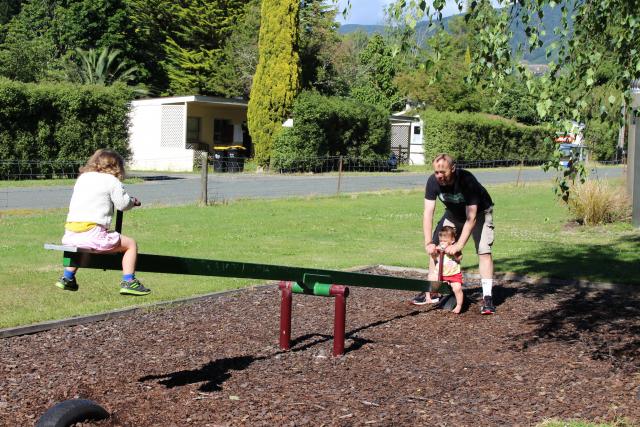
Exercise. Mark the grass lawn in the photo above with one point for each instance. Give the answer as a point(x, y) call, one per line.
point(52, 182)
point(333, 233)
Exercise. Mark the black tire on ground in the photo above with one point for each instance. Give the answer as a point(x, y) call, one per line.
point(72, 411)
point(448, 302)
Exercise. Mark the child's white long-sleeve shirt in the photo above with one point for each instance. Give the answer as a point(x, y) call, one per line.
point(95, 195)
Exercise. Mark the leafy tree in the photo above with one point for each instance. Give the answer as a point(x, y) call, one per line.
point(318, 41)
point(241, 49)
point(515, 102)
point(28, 48)
point(277, 79)
point(45, 33)
point(344, 68)
point(8, 8)
point(440, 81)
point(154, 22)
point(603, 27)
point(103, 68)
point(375, 85)
point(318, 46)
point(195, 57)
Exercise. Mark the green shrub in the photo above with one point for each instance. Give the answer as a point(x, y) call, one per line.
point(60, 123)
point(331, 126)
point(602, 139)
point(475, 136)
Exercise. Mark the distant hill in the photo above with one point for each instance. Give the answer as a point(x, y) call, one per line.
point(551, 20)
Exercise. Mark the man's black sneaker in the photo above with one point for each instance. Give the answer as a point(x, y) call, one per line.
point(67, 284)
point(133, 287)
point(421, 299)
point(487, 306)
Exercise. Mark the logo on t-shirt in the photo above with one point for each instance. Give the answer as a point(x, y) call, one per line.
point(452, 198)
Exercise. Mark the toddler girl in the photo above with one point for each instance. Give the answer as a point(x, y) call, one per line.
point(97, 192)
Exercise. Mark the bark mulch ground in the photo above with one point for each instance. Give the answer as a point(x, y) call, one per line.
point(550, 352)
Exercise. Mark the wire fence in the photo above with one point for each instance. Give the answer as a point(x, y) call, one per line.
point(18, 170)
point(23, 185)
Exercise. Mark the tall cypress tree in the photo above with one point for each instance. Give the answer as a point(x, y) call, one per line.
point(277, 78)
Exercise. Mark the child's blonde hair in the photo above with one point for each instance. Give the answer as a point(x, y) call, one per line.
point(447, 231)
point(106, 161)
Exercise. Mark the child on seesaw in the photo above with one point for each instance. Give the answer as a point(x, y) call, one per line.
point(97, 193)
point(451, 271)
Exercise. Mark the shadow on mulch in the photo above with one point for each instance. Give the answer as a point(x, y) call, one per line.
point(213, 374)
point(608, 321)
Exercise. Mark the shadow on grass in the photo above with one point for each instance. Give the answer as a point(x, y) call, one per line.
point(596, 263)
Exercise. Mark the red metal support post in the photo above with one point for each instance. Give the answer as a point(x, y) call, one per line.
point(340, 293)
point(285, 315)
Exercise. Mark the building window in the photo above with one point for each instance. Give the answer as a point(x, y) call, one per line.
point(416, 130)
point(222, 132)
point(193, 129)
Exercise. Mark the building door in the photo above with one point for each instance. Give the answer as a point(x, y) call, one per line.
point(222, 132)
point(400, 137)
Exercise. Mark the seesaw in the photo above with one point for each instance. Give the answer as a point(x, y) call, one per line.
point(299, 280)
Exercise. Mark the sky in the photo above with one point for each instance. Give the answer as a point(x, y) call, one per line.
point(370, 12)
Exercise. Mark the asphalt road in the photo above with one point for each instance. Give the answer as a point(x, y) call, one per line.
point(185, 189)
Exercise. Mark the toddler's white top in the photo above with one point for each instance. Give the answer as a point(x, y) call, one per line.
point(94, 197)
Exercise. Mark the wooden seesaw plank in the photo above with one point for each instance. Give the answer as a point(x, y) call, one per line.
point(76, 257)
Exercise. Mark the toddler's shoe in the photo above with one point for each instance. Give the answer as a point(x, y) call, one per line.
point(421, 299)
point(133, 287)
point(67, 284)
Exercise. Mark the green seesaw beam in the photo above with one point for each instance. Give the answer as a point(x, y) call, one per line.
point(306, 277)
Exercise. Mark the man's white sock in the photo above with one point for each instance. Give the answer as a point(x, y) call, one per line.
point(487, 284)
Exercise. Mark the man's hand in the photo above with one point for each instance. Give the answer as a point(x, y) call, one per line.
point(452, 249)
point(136, 202)
point(430, 247)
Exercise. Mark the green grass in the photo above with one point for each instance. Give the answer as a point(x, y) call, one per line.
point(51, 182)
point(331, 232)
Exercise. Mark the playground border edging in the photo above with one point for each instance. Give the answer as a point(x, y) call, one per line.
point(81, 320)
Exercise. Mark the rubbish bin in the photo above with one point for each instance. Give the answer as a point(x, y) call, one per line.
point(220, 158)
point(236, 155)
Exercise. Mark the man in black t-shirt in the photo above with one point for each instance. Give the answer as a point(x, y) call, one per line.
point(469, 209)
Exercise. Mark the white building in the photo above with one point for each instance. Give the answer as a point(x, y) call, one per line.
point(165, 132)
point(406, 137)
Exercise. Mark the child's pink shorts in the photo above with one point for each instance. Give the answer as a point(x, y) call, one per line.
point(97, 239)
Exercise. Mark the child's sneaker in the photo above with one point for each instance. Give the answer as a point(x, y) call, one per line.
point(421, 299)
point(133, 287)
point(67, 284)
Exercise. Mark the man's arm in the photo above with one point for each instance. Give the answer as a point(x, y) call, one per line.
point(471, 211)
point(427, 225)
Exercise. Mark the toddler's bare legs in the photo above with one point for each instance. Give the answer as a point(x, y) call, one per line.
point(457, 291)
point(130, 249)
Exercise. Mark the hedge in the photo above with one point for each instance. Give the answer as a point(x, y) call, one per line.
point(331, 126)
point(60, 123)
point(602, 139)
point(469, 137)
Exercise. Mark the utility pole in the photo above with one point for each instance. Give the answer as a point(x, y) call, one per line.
point(633, 153)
